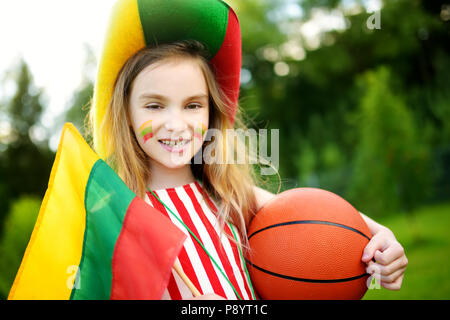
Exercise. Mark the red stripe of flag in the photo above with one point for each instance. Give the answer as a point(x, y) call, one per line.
point(145, 252)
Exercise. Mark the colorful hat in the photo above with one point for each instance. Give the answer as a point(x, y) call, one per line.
point(135, 24)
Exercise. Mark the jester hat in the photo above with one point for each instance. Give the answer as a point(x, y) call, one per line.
point(135, 24)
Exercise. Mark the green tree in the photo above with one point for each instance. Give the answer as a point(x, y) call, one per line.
point(80, 102)
point(314, 99)
point(392, 158)
point(24, 164)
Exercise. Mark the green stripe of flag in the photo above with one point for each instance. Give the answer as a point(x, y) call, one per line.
point(106, 200)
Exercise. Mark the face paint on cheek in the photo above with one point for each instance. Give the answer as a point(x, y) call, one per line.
point(145, 130)
point(200, 131)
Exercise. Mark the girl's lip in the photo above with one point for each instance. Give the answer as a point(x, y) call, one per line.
point(174, 149)
point(179, 139)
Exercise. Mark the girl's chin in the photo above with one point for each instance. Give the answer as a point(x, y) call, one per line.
point(175, 162)
point(173, 165)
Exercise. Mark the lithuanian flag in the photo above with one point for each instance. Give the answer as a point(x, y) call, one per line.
point(94, 238)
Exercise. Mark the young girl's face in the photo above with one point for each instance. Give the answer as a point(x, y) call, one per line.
point(169, 111)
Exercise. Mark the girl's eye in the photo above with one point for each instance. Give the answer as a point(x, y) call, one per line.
point(194, 106)
point(153, 106)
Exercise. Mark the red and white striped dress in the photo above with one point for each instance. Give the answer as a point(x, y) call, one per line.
point(190, 206)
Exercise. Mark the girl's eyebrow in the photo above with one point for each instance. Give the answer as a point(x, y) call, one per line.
point(198, 96)
point(145, 96)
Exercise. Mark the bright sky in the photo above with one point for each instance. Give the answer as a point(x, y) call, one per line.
point(50, 36)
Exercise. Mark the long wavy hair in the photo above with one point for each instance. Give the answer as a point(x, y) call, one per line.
point(230, 184)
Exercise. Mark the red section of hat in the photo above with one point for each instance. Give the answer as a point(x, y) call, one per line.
point(227, 62)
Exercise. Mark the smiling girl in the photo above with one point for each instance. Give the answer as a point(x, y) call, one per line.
point(164, 99)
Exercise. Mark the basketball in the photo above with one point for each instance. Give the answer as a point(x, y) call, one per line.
point(307, 243)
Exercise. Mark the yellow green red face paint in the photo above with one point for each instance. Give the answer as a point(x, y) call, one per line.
point(145, 130)
point(200, 131)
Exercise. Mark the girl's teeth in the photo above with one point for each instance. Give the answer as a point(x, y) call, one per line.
point(174, 143)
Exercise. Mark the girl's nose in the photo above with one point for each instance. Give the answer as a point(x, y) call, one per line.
point(175, 122)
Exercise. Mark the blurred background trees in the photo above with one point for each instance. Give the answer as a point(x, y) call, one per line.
point(362, 112)
point(25, 158)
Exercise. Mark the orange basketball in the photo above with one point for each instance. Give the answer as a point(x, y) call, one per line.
point(307, 243)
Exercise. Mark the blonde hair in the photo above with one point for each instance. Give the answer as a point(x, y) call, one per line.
point(230, 184)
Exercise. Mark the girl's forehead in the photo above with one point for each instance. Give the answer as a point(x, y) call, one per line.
point(179, 77)
point(168, 65)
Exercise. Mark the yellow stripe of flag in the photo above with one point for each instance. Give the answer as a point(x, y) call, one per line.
point(59, 230)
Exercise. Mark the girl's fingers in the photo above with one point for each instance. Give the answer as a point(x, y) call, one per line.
point(376, 243)
point(396, 285)
point(400, 263)
point(390, 259)
point(375, 267)
point(392, 253)
point(393, 276)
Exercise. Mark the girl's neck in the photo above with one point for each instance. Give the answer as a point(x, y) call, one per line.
point(162, 177)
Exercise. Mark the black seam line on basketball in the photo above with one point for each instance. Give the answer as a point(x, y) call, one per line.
point(310, 222)
point(306, 280)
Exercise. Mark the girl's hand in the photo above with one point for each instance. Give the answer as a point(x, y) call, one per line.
point(390, 259)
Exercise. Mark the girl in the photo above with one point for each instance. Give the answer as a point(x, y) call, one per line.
point(164, 99)
point(172, 89)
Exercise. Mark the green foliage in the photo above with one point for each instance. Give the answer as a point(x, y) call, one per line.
point(439, 98)
point(314, 104)
point(392, 160)
point(25, 107)
point(17, 231)
point(24, 163)
point(79, 109)
point(306, 163)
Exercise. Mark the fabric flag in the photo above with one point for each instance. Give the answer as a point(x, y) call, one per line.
point(94, 238)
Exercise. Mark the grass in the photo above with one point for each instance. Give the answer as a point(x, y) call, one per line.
point(426, 239)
